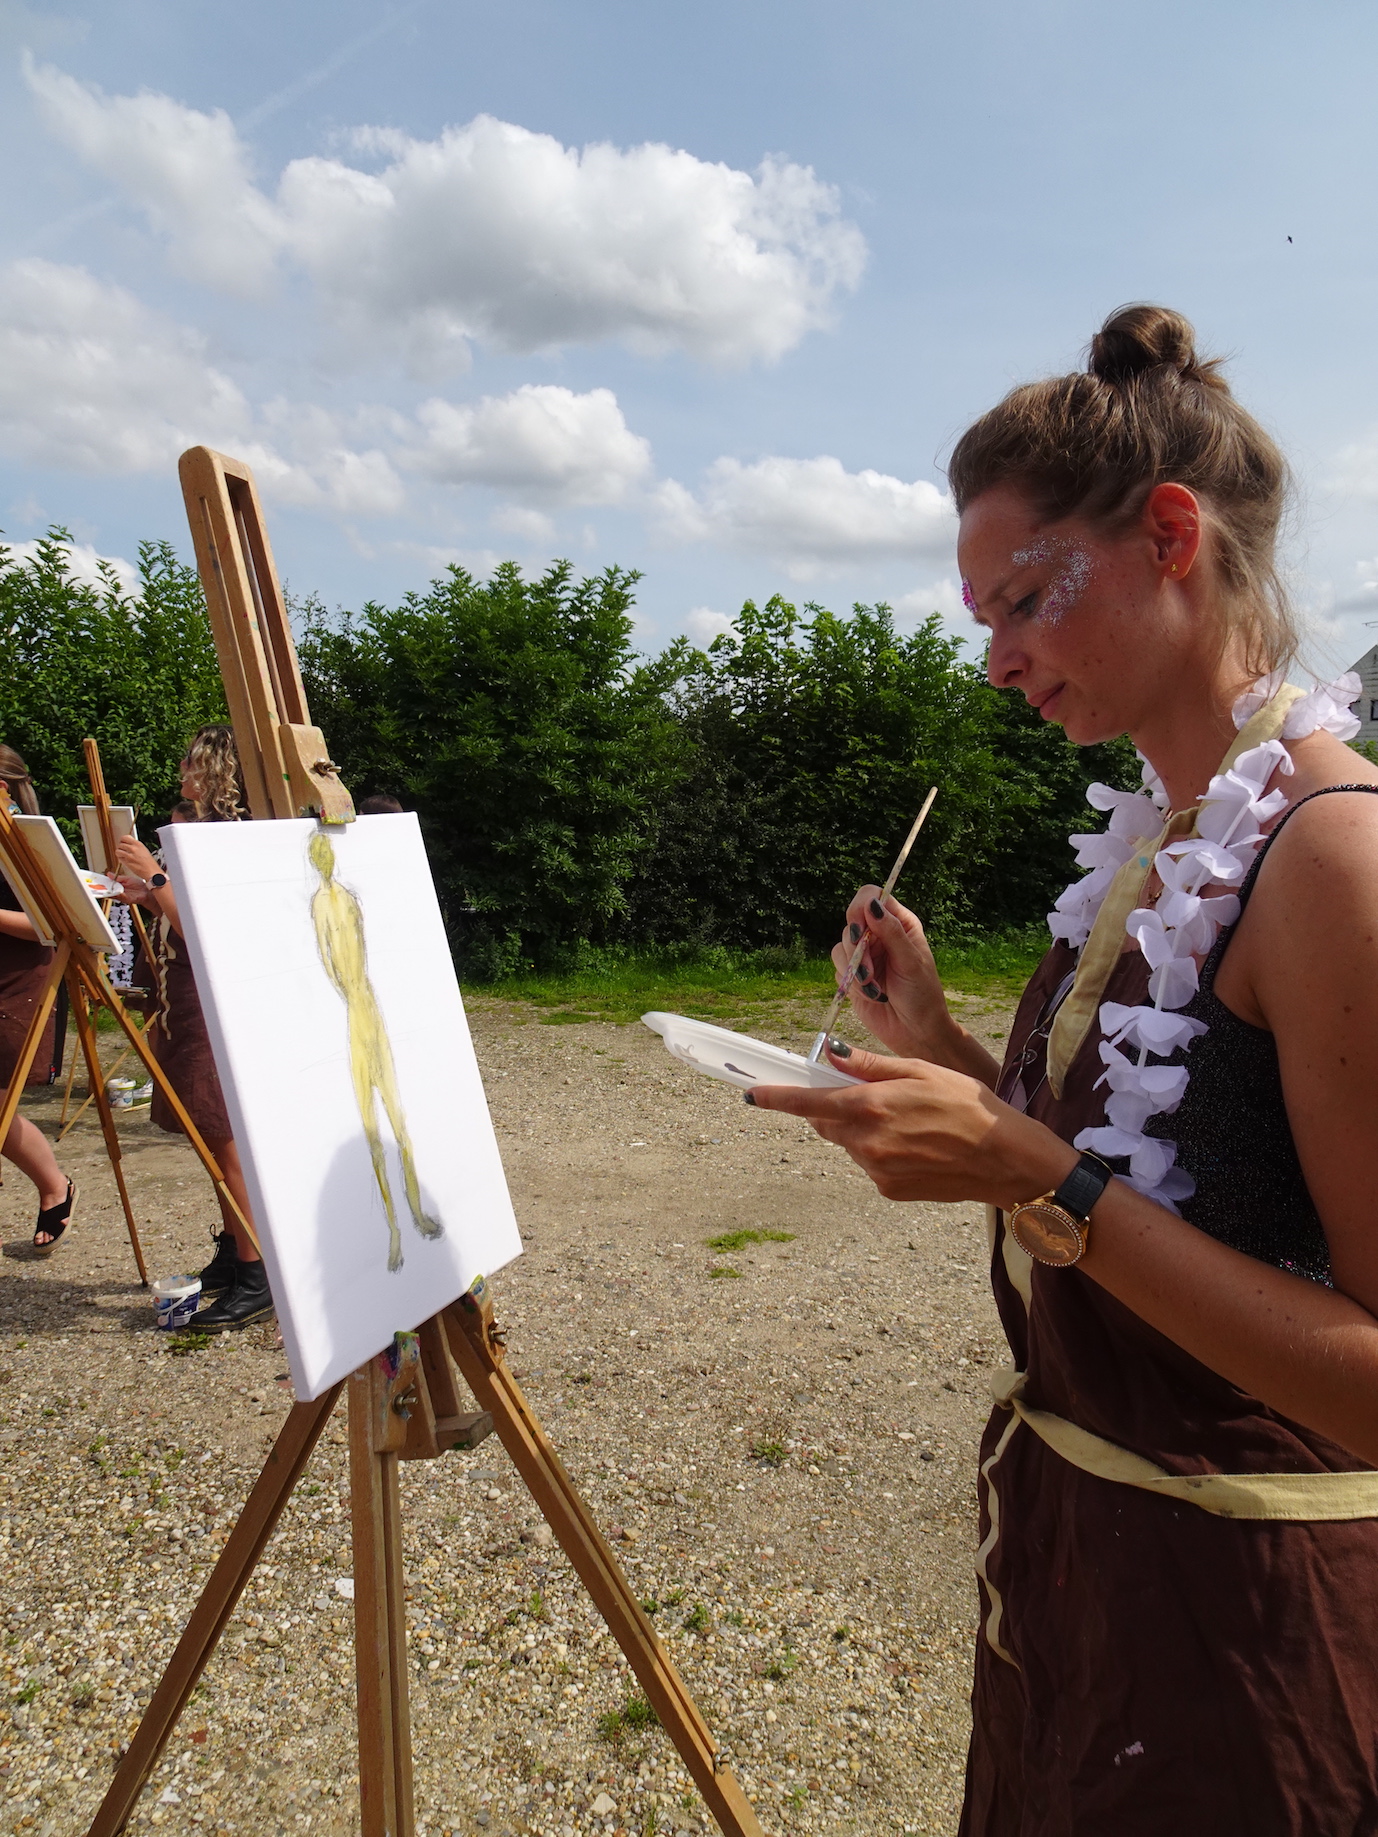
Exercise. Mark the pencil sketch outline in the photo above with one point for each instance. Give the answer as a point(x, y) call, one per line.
point(338, 919)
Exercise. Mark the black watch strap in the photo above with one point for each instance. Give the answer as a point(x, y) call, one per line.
point(1083, 1186)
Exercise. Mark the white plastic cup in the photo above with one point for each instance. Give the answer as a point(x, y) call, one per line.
point(175, 1301)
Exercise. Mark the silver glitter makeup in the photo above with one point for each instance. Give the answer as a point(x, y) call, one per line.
point(1071, 579)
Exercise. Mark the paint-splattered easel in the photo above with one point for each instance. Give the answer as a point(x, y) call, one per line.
point(406, 1403)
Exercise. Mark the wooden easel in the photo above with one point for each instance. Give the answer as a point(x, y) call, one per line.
point(406, 1403)
point(88, 988)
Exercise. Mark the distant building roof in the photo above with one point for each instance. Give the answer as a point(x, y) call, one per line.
point(1366, 706)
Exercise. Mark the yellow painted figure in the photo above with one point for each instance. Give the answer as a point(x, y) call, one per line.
point(339, 924)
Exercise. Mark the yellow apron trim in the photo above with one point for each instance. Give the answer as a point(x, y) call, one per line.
point(1106, 943)
point(1298, 1498)
point(992, 1538)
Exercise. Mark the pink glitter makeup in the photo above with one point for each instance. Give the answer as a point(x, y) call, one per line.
point(1071, 579)
point(968, 597)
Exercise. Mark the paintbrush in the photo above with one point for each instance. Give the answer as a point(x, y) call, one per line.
point(815, 1051)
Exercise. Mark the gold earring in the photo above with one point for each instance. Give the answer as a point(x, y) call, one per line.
point(1174, 567)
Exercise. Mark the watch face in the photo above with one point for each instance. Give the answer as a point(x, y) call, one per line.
point(1049, 1234)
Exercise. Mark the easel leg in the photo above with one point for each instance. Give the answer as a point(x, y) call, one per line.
point(227, 1582)
point(477, 1349)
point(380, 1622)
point(86, 1033)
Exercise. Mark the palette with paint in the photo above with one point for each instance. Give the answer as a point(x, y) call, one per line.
point(737, 1059)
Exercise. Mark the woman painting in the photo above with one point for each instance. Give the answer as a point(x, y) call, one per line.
point(1178, 1555)
point(235, 1278)
point(24, 967)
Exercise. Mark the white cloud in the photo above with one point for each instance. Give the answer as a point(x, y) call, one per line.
point(542, 441)
point(527, 525)
point(487, 232)
point(811, 516)
point(703, 625)
point(92, 380)
point(84, 564)
point(942, 596)
point(189, 171)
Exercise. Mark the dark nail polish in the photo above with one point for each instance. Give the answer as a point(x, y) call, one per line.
point(864, 973)
point(749, 1097)
point(882, 998)
point(839, 1049)
point(877, 910)
point(870, 990)
point(855, 931)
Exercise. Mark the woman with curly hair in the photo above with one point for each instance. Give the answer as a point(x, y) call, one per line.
point(213, 787)
point(24, 966)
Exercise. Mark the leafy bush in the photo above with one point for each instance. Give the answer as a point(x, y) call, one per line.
point(809, 743)
point(138, 673)
point(515, 718)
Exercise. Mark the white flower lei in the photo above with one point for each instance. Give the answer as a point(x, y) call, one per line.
point(1181, 928)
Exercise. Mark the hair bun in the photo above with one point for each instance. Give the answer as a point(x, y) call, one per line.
point(1139, 338)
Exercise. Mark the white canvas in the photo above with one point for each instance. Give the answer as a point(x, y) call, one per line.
point(260, 924)
point(83, 911)
point(121, 825)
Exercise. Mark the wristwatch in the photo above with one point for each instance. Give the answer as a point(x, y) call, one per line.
point(157, 880)
point(1054, 1229)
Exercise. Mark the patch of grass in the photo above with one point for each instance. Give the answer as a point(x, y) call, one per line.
point(736, 1618)
point(650, 1605)
point(737, 1240)
point(536, 1607)
point(769, 1454)
point(723, 1269)
point(698, 1619)
point(728, 987)
point(675, 1596)
point(632, 1717)
point(29, 1692)
point(780, 1668)
point(180, 1344)
point(83, 1696)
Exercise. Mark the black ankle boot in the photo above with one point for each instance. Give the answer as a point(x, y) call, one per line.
point(249, 1300)
point(217, 1278)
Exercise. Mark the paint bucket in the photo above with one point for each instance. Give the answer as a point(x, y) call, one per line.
point(175, 1301)
point(120, 1092)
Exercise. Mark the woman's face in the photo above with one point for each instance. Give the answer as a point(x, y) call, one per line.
point(191, 784)
point(1085, 624)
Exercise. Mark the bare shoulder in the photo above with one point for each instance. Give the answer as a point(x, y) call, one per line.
point(1311, 928)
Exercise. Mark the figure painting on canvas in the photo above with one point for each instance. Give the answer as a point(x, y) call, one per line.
point(340, 1038)
point(339, 922)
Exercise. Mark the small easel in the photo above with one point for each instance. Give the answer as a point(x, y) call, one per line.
point(82, 967)
point(405, 1404)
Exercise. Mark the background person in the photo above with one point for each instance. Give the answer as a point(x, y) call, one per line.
point(24, 966)
point(212, 790)
point(1162, 1647)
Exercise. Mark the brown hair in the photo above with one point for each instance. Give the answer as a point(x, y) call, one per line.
point(213, 762)
point(1148, 411)
point(15, 774)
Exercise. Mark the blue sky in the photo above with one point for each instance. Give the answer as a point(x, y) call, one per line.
point(703, 290)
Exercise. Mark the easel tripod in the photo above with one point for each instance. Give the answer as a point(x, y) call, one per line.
point(405, 1404)
point(88, 988)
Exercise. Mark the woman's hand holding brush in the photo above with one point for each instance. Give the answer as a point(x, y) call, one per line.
point(897, 994)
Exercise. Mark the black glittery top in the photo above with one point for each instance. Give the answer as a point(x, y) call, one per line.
point(1231, 1127)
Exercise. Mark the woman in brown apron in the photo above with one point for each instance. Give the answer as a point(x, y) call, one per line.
point(24, 966)
point(234, 1279)
point(1178, 1558)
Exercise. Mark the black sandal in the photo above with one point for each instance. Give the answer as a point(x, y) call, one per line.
point(53, 1221)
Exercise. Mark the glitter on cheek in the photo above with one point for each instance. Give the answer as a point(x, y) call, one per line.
point(1068, 586)
point(968, 597)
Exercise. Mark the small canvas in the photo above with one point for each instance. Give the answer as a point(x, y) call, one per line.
point(121, 824)
point(71, 883)
point(350, 1079)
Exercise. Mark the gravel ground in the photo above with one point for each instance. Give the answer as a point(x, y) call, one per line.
point(780, 1439)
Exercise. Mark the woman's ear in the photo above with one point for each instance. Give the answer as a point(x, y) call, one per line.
point(1171, 520)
